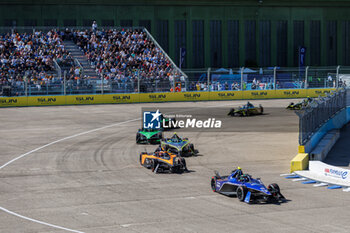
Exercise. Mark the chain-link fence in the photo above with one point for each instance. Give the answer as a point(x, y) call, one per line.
point(268, 78)
point(315, 112)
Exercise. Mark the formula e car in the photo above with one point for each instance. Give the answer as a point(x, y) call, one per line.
point(246, 110)
point(178, 146)
point(161, 161)
point(151, 136)
point(293, 106)
point(245, 188)
point(299, 105)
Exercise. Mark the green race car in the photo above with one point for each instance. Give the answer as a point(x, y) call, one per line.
point(149, 136)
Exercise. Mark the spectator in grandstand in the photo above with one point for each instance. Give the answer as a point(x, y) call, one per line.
point(126, 53)
point(94, 26)
point(29, 57)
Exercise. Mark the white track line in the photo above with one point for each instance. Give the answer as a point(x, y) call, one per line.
point(49, 144)
point(37, 221)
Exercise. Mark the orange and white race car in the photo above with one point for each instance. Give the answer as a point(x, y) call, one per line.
point(161, 161)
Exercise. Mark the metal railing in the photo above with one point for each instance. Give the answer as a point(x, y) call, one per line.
point(77, 63)
point(57, 68)
point(318, 111)
point(183, 78)
point(269, 78)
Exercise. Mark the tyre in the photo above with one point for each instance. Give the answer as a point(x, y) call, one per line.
point(154, 164)
point(213, 183)
point(274, 189)
point(137, 139)
point(231, 112)
point(141, 159)
point(192, 148)
point(182, 161)
point(241, 193)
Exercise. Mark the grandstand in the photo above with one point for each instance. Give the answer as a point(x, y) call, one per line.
point(124, 60)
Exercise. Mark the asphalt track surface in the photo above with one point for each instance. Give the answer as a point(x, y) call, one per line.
point(90, 179)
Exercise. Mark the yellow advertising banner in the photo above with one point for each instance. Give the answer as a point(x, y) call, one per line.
point(191, 96)
point(263, 94)
point(46, 100)
point(319, 92)
point(290, 93)
point(155, 97)
point(84, 99)
point(13, 101)
point(225, 95)
point(120, 98)
point(160, 97)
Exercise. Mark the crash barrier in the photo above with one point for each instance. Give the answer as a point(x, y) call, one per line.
point(325, 145)
point(326, 173)
point(158, 97)
point(317, 112)
point(299, 162)
point(335, 123)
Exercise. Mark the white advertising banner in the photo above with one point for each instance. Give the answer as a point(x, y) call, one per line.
point(330, 172)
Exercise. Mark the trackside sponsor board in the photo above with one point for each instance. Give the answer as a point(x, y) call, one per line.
point(319, 92)
point(290, 93)
point(329, 171)
point(192, 96)
point(225, 95)
point(262, 94)
point(120, 98)
point(160, 97)
point(154, 97)
point(83, 99)
point(46, 100)
point(13, 101)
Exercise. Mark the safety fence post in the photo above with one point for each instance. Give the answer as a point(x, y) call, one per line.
point(138, 82)
point(337, 77)
point(306, 73)
point(274, 77)
point(242, 71)
point(208, 77)
point(64, 82)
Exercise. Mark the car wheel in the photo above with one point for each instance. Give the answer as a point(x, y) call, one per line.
point(274, 189)
point(213, 183)
point(153, 165)
point(137, 139)
point(192, 148)
point(141, 159)
point(231, 112)
point(241, 193)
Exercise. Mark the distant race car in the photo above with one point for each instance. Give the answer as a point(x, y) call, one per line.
point(299, 105)
point(178, 146)
point(247, 110)
point(293, 106)
point(245, 187)
point(151, 136)
point(162, 161)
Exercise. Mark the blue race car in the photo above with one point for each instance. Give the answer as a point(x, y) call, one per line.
point(245, 187)
point(179, 146)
